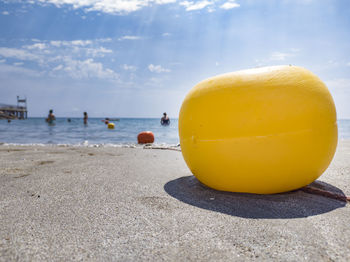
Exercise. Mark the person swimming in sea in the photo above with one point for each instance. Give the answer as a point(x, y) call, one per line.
point(51, 118)
point(165, 121)
point(85, 118)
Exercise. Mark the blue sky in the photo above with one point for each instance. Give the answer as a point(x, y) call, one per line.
point(139, 58)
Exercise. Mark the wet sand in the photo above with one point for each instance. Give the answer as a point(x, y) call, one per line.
point(134, 204)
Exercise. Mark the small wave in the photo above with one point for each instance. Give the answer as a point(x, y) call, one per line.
point(87, 144)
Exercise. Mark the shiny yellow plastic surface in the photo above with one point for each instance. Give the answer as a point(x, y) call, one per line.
point(110, 126)
point(265, 130)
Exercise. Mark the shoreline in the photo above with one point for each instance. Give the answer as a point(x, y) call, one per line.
point(115, 203)
point(122, 145)
point(87, 145)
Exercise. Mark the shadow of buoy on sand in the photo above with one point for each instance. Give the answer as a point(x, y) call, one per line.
point(295, 204)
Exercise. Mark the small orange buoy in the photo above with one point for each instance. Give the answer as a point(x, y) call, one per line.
point(145, 137)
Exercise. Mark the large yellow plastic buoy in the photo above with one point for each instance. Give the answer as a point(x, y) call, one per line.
point(264, 130)
point(110, 126)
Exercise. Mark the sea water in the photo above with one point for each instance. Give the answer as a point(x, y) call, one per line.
point(96, 132)
point(37, 131)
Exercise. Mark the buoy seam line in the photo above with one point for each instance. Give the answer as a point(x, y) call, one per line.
point(321, 192)
point(249, 137)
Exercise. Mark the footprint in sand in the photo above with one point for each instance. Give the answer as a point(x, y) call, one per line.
point(45, 162)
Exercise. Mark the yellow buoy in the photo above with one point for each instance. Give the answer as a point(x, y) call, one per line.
point(110, 126)
point(264, 130)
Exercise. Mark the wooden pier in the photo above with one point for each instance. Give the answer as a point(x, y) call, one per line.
point(14, 112)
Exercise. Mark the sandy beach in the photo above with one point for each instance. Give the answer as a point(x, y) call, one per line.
point(63, 203)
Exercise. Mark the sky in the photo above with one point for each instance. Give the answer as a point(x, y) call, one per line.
point(139, 58)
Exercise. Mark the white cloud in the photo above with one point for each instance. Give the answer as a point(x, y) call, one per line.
point(339, 84)
point(57, 68)
point(157, 69)
point(18, 54)
point(124, 7)
point(333, 63)
point(154, 81)
point(166, 34)
point(56, 43)
point(81, 46)
point(129, 67)
point(18, 63)
point(2, 61)
point(348, 64)
point(10, 69)
point(161, 2)
point(211, 9)
point(191, 5)
point(81, 42)
point(83, 69)
point(95, 52)
point(74, 59)
point(229, 5)
point(5, 13)
point(39, 46)
point(105, 6)
point(71, 43)
point(129, 37)
point(279, 56)
point(117, 6)
point(104, 40)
